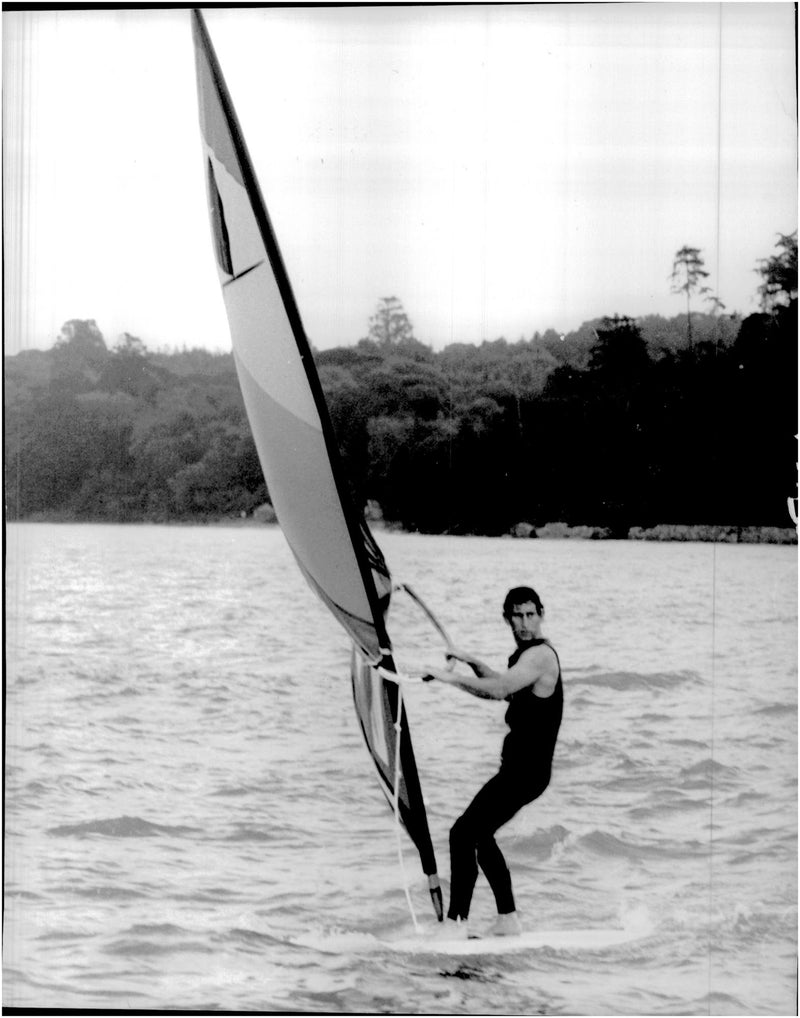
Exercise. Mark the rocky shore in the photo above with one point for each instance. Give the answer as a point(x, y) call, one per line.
point(664, 532)
point(265, 515)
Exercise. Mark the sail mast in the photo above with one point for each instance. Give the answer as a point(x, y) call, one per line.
point(296, 444)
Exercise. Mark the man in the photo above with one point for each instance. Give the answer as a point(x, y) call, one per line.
point(532, 686)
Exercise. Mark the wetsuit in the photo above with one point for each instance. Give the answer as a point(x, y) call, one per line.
point(524, 774)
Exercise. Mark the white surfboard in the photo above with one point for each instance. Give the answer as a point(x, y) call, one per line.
point(426, 941)
point(566, 940)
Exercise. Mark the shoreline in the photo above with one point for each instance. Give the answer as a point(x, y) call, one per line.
point(663, 533)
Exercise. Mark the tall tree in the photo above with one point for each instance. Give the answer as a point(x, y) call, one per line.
point(687, 276)
point(780, 274)
point(130, 346)
point(81, 337)
point(390, 325)
point(79, 355)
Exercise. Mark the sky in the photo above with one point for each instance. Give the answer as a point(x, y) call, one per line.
point(499, 169)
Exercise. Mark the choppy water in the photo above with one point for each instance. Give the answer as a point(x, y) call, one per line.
point(187, 792)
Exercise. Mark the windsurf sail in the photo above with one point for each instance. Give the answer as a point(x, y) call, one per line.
point(296, 443)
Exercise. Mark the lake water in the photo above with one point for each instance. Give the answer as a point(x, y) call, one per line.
point(188, 795)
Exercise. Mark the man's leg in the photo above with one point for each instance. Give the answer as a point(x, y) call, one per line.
point(510, 798)
point(492, 861)
point(473, 833)
point(463, 870)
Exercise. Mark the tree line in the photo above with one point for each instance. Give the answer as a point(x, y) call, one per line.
point(622, 423)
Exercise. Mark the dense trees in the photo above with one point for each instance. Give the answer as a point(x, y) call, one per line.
point(619, 424)
point(123, 434)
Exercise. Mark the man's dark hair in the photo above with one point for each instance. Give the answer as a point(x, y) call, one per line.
point(521, 595)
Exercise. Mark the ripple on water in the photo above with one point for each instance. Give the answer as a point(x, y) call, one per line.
point(635, 681)
point(121, 827)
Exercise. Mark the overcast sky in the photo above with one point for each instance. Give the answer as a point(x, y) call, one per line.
point(499, 169)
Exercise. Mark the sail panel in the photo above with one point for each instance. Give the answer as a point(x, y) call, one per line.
point(214, 122)
point(373, 709)
point(282, 394)
point(376, 702)
point(308, 509)
point(263, 337)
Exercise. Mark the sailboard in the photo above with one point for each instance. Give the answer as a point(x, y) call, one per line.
point(297, 447)
point(535, 940)
point(425, 941)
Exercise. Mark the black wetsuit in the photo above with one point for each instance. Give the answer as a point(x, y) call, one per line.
point(524, 774)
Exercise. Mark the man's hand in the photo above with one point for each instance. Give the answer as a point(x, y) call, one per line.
point(478, 667)
point(429, 674)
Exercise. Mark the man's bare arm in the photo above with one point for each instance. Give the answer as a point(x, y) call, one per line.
point(536, 667)
point(462, 682)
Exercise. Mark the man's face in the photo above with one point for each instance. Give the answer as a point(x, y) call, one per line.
point(525, 622)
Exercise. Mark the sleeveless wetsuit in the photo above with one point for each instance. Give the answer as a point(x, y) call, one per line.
point(533, 722)
point(524, 774)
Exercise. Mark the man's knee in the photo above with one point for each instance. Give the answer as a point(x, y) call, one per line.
point(489, 854)
point(462, 833)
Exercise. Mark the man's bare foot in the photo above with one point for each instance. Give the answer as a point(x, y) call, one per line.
point(505, 925)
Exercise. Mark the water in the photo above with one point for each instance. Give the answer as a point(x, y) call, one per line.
point(187, 793)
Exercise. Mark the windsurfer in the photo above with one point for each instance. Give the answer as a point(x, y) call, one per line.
point(532, 686)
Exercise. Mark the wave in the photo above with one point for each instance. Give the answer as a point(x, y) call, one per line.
point(106, 693)
point(752, 922)
point(33, 789)
point(64, 935)
point(605, 844)
point(743, 798)
point(105, 892)
point(688, 743)
point(675, 804)
point(24, 680)
point(558, 840)
point(701, 774)
point(717, 1003)
point(162, 929)
point(120, 827)
point(778, 709)
point(144, 948)
point(233, 791)
point(245, 832)
point(21, 894)
point(257, 938)
point(625, 681)
point(541, 843)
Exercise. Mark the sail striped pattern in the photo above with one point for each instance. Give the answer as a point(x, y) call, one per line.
point(295, 441)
